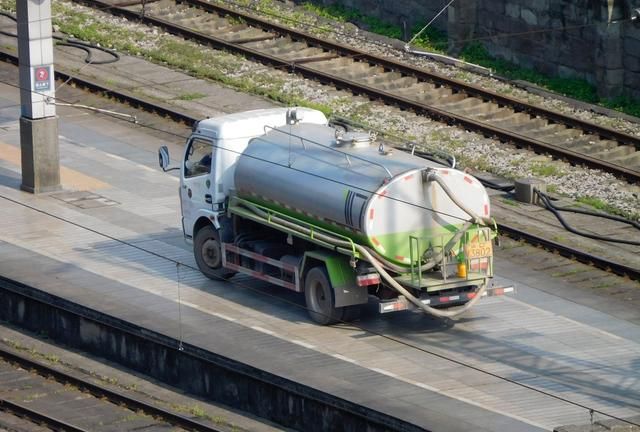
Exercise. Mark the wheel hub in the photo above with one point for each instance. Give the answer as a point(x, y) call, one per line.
point(211, 253)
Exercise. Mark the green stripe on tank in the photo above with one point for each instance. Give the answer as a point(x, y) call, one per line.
point(397, 245)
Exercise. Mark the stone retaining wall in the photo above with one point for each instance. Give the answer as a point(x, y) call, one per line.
point(589, 43)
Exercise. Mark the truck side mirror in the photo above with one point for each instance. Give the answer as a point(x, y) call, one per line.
point(163, 158)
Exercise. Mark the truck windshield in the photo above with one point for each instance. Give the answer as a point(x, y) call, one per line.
point(198, 159)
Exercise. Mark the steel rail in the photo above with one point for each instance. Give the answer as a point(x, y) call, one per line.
point(38, 417)
point(571, 253)
point(387, 97)
point(103, 392)
point(601, 263)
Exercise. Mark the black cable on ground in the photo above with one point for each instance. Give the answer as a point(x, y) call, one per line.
point(547, 201)
point(86, 47)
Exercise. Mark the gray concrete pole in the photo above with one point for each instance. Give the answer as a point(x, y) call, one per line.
point(38, 122)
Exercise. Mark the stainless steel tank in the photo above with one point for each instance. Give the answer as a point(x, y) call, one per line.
point(373, 195)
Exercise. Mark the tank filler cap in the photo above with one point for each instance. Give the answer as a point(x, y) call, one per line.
point(352, 139)
point(293, 116)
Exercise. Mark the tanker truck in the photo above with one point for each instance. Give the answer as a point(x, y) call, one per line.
point(340, 216)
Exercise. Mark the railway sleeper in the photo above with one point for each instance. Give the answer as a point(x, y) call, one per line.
point(464, 105)
point(536, 129)
point(303, 54)
point(354, 75)
point(183, 13)
point(247, 34)
point(352, 68)
point(511, 121)
point(611, 153)
point(631, 161)
point(340, 62)
point(449, 100)
point(285, 49)
point(267, 44)
point(592, 141)
point(493, 116)
point(398, 85)
point(382, 78)
point(487, 109)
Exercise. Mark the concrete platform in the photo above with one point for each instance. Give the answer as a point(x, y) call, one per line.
point(108, 249)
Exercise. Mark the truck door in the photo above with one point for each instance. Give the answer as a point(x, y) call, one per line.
point(195, 184)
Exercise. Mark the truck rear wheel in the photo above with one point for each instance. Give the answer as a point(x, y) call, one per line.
point(318, 294)
point(208, 254)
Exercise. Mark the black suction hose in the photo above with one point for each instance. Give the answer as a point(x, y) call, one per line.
point(546, 200)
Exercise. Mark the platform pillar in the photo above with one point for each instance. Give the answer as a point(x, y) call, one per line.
point(38, 122)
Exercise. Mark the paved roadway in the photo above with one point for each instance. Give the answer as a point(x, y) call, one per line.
point(535, 338)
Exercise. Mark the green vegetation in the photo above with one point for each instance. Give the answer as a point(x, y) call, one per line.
point(596, 203)
point(431, 39)
point(572, 87)
point(579, 89)
point(510, 201)
point(624, 104)
point(567, 273)
point(190, 96)
point(546, 170)
point(199, 412)
point(8, 6)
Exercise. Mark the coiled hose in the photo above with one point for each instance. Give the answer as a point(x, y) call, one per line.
point(546, 200)
point(380, 263)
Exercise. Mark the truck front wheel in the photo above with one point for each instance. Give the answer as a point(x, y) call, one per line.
point(318, 294)
point(208, 254)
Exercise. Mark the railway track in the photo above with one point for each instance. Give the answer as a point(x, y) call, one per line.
point(179, 116)
point(394, 83)
point(51, 403)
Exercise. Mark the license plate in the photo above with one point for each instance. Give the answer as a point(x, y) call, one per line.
point(478, 249)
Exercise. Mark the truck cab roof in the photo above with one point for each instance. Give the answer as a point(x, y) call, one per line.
point(248, 124)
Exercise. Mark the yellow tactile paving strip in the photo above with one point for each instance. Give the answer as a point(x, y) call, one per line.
point(70, 179)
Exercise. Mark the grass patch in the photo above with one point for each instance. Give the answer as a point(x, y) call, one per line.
point(190, 96)
point(8, 6)
point(510, 201)
point(567, 273)
point(545, 170)
point(596, 203)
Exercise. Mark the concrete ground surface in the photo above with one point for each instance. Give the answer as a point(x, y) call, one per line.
point(581, 345)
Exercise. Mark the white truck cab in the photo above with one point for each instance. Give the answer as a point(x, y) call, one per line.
point(207, 171)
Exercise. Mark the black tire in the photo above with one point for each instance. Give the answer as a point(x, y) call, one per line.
point(208, 254)
point(351, 313)
point(318, 294)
